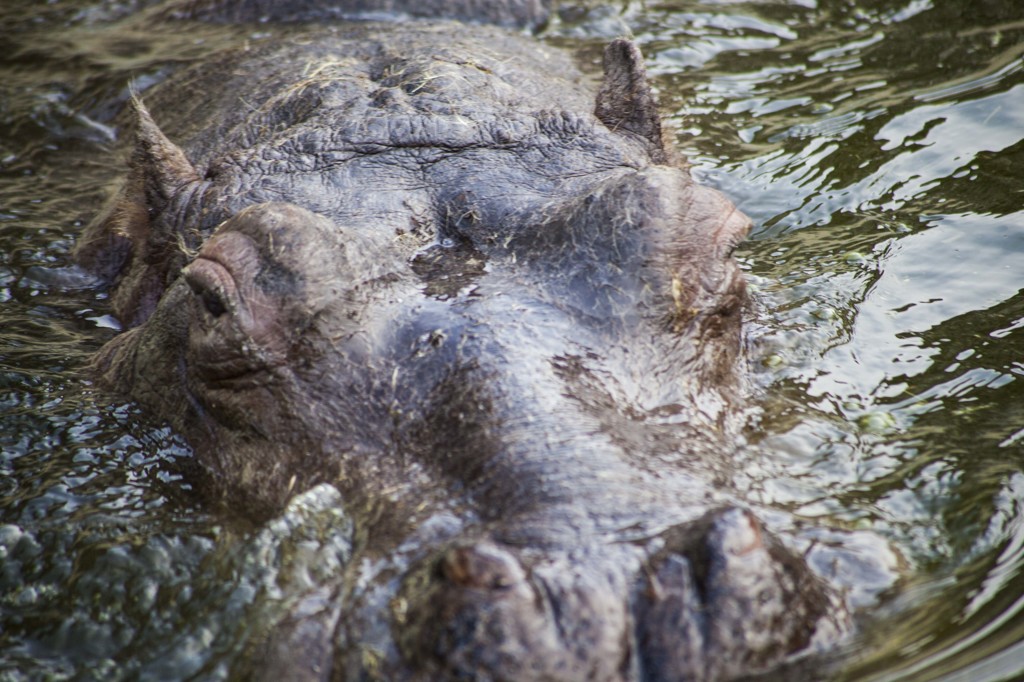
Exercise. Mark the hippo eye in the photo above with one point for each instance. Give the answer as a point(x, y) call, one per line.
point(732, 243)
point(211, 299)
point(213, 303)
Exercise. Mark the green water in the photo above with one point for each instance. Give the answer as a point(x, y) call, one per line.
point(879, 148)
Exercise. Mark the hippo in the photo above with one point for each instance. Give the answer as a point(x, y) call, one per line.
point(432, 266)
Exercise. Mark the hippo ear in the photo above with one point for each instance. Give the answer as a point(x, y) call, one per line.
point(625, 102)
point(127, 243)
point(157, 171)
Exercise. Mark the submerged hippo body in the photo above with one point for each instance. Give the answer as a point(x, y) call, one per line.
point(426, 264)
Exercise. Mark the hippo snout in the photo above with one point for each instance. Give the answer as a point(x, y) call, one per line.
point(723, 597)
point(482, 612)
point(717, 598)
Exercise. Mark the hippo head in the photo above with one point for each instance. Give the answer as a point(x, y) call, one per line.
point(283, 340)
point(288, 340)
point(524, 314)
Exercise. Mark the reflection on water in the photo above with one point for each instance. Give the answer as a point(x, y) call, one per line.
point(879, 147)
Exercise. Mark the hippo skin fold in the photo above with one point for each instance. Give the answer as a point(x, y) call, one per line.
point(428, 263)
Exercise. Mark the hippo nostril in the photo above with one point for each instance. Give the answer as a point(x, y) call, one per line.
point(481, 567)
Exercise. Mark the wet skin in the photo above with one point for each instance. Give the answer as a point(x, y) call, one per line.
point(429, 266)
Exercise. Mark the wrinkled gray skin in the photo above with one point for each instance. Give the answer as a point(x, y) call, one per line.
point(427, 264)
